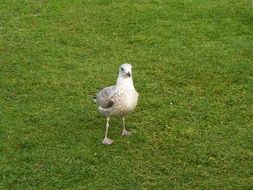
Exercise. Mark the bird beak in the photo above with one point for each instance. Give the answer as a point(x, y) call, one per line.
point(129, 74)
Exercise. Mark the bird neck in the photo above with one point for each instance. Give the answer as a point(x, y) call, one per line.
point(124, 82)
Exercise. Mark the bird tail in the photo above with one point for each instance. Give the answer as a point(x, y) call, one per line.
point(95, 98)
point(104, 111)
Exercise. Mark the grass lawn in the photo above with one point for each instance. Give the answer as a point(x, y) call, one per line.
point(193, 68)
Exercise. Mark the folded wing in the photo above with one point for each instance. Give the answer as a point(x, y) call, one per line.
point(104, 98)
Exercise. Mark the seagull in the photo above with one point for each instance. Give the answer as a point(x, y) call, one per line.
point(118, 100)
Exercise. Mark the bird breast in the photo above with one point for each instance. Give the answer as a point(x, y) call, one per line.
point(127, 100)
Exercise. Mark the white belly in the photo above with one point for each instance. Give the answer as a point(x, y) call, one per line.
point(127, 101)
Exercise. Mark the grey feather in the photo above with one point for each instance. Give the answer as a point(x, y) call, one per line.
point(120, 99)
point(104, 98)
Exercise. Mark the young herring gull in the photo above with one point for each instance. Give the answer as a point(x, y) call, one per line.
point(118, 100)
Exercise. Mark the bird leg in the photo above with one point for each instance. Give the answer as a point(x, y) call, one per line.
point(124, 131)
point(106, 139)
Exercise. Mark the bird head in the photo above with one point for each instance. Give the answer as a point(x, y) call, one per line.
point(125, 70)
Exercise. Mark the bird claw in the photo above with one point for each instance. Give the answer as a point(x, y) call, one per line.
point(126, 133)
point(107, 141)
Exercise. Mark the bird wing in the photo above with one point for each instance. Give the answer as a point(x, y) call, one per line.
point(104, 98)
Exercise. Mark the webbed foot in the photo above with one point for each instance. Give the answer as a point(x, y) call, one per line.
point(107, 141)
point(126, 133)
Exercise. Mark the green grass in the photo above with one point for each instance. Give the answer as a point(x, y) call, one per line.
point(193, 68)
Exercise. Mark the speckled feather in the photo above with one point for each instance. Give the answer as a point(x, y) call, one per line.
point(104, 97)
point(119, 99)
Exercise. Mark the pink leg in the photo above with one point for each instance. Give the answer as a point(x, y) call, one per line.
point(106, 139)
point(124, 131)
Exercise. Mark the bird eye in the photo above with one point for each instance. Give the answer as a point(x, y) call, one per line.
point(122, 69)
